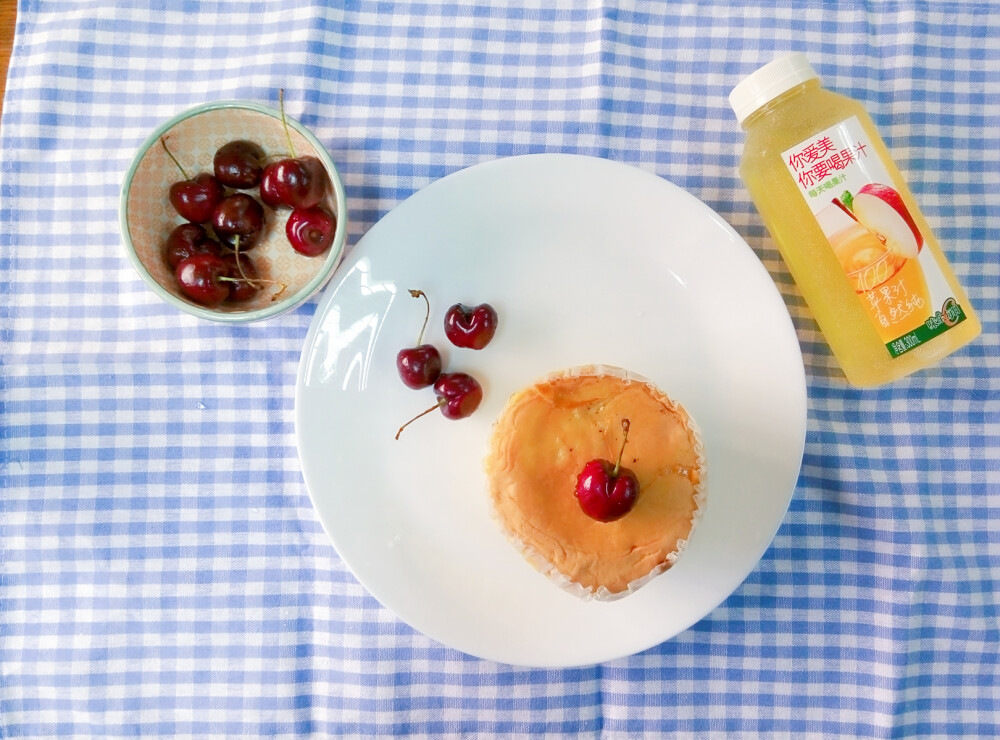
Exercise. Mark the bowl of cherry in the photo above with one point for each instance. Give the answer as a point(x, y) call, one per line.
point(233, 212)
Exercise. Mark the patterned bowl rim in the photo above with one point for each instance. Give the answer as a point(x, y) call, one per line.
point(322, 275)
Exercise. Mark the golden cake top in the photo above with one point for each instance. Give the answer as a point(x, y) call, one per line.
point(541, 441)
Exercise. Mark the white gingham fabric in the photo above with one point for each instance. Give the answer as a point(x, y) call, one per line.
point(162, 571)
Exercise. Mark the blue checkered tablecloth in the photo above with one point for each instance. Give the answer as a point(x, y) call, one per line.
point(162, 571)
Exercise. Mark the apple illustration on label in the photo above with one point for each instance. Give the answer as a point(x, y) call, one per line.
point(880, 209)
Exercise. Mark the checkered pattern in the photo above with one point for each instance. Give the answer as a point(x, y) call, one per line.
point(162, 572)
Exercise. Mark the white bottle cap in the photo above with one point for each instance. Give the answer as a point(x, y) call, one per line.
point(768, 82)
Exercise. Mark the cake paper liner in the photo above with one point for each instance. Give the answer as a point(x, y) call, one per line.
point(547, 568)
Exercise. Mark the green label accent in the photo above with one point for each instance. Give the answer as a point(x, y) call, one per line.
point(950, 315)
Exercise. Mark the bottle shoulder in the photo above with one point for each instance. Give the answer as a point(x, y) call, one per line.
point(789, 122)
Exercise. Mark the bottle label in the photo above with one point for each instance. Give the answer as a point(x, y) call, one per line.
point(875, 238)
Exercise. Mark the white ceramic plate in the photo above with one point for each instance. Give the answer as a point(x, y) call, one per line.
point(586, 262)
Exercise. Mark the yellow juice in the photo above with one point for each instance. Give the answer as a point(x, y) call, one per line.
point(843, 273)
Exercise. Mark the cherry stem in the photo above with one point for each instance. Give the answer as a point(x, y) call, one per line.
point(427, 315)
point(255, 283)
point(438, 405)
point(227, 279)
point(281, 107)
point(239, 265)
point(163, 143)
point(618, 462)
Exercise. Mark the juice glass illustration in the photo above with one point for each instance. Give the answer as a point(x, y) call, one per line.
point(889, 285)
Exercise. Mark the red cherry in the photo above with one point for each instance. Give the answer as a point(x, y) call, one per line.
point(269, 187)
point(607, 492)
point(294, 182)
point(239, 164)
point(472, 328)
point(298, 182)
point(458, 394)
point(185, 240)
point(419, 366)
point(238, 215)
point(196, 199)
point(310, 230)
point(201, 279)
point(193, 198)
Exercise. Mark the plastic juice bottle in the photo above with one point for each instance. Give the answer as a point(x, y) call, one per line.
point(847, 226)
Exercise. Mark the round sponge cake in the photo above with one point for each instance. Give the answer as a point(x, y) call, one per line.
point(542, 439)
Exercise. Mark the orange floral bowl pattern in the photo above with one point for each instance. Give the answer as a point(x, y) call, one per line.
point(147, 217)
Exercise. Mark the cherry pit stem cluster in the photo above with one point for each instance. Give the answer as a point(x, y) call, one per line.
point(458, 394)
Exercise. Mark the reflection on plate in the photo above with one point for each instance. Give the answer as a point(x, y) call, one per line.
point(587, 262)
